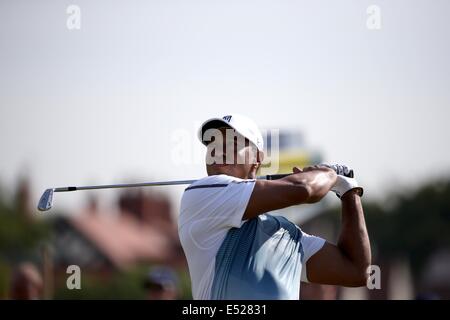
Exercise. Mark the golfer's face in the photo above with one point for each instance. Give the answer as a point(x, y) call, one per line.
point(227, 148)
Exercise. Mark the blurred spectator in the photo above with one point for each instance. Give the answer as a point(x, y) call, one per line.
point(27, 283)
point(161, 284)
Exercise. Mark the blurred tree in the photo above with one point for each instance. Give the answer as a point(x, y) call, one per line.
point(119, 285)
point(415, 225)
point(20, 235)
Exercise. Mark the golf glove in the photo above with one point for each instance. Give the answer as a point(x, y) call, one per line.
point(345, 184)
point(340, 169)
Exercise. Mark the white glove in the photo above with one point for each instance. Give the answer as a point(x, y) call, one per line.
point(345, 184)
point(340, 169)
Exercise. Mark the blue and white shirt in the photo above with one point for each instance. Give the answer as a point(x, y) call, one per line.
point(228, 258)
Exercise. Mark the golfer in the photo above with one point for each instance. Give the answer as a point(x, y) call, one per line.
point(237, 250)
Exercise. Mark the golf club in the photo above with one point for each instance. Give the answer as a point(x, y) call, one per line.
point(46, 200)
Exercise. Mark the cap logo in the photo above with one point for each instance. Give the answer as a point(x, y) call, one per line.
point(227, 118)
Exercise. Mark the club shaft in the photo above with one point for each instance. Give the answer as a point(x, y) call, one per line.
point(151, 184)
point(125, 185)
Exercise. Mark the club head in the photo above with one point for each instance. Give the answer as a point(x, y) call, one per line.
point(46, 201)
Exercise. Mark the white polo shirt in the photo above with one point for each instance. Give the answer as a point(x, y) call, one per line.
point(228, 258)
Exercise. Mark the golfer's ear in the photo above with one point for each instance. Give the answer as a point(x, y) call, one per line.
point(259, 160)
point(260, 157)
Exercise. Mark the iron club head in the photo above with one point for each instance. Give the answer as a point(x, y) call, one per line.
point(46, 201)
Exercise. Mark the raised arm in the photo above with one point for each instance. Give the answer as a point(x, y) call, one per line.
point(346, 263)
point(307, 186)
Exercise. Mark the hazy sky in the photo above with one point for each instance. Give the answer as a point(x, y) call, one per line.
point(102, 104)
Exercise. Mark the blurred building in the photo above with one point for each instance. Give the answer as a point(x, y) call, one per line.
point(142, 232)
point(287, 149)
point(293, 152)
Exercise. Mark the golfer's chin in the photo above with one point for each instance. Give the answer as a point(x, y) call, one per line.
point(220, 165)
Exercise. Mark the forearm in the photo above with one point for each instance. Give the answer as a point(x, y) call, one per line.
point(354, 239)
point(318, 182)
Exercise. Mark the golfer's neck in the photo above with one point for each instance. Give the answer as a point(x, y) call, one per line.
point(229, 170)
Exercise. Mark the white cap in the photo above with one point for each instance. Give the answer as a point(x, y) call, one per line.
point(243, 125)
